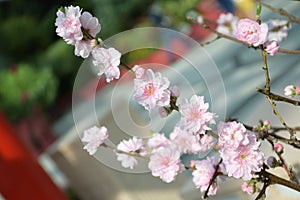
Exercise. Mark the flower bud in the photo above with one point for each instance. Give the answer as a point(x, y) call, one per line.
point(272, 162)
point(278, 148)
point(271, 47)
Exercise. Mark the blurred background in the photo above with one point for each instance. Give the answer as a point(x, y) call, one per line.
point(37, 74)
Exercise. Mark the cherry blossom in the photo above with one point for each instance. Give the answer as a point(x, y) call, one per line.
point(108, 61)
point(203, 173)
point(271, 47)
point(94, 137)
point(134, 145)
point(68, 24)
point(151, 89)
point(92, 27)
point(278, 29)
point(232, 134)
point(194, 115)
point(227, 23)
point(250, 31)
point(243, 161)
point(206, 142)
point(158, 140)
point(165, 163)
point(185, 141)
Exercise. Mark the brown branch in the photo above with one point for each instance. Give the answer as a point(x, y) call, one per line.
point(278, 180)
point(266, 70)
point(262, 191)
point(277, 97)
point(275, 110)
point(280, 11)
point(289, 172)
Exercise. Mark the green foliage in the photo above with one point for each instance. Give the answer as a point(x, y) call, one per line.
point(177, 9)
point(119, 15)
point(24, 87)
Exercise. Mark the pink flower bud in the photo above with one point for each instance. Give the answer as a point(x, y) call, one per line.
point(297, 90)
point(271, 47)
point(93, 43)
point(192, 163)
point(278, 148)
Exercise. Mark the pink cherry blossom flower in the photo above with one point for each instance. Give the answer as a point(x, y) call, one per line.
point(271, 47)
point(290, 91)
point(134, 145)
point(248, 187)
point(158, 140)
point(69, 25)
point(175, 92)
point(194, 115)
point(251, 32)
point(203, 174)
point(90, 24)
point(244, 161)
point(94, 137)
point(278, 29)
point(165, 163)
point(232, 134)
point(92, 27)
point(108, 61)
point(82, 48)
point(185, 141)
point(227, 23)
point(151, 89)
point(206, 142)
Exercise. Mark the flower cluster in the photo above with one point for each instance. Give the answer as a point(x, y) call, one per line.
point(80, 29)
point(227, 23)
point(151, 89)
point(203, 174)
point(239, 150)
point(278, 29)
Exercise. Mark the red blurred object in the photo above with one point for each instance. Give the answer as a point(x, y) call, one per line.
point(21, 175)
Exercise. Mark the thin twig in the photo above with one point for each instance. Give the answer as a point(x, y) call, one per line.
point(133, 154)
point(209, 42)
point(277, 97)
point(262, 191)
point(275, 110)
point(280, 11)
point(289, 172)
point(266, 70)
